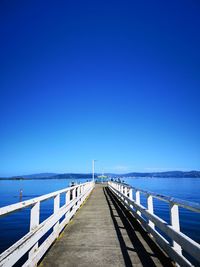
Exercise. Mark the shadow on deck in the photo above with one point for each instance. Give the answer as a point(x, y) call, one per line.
point(103, 233)
point(137, 235)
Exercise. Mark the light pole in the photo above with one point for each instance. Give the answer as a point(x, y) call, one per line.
point(93, 165)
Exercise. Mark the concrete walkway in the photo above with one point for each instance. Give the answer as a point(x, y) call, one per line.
point(103, 233)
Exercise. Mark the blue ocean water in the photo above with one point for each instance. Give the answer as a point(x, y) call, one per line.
point(14, 226)
point(182, 188)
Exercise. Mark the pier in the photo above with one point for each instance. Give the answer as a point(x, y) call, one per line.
point(103, 225)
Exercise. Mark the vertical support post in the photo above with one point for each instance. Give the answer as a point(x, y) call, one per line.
point(55, 210)
point(67, 197)
point(131, 196)
point(73, 197)
point(150, 209)
point(118, 189)
point(78, 194)
point(125, 193)
point(34, 222)
point(121, 190)
point(137, 200)
point(174, 215)
point(67, 200)
point(82, 190)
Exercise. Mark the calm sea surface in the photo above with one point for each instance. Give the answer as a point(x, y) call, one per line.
point(14, 226)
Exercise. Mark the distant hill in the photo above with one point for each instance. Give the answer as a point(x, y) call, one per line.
point(51, 176)
point(73, 176)
point(171, 174)
point(40, 175)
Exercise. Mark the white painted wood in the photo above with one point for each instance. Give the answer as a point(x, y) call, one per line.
point(56, 208)
point(79, 192)
point(172, 231)
point(29, 241)
point(34, 222)
point(131, 196)
point(67, 201)
point(137, 199)
point(174, 215)
point(41, 251)
point(20, 205)
point(67, 197)
point(125, 191)
point(181, 203)
point(122, 191)
point(150, 209)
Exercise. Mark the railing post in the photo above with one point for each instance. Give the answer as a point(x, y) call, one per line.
point(131, 196)
point(56, 209)
point(67, 197)
point(78, 194)
point(34, 222)
point(137, 200)
point(81, 194)
point(83, 190)
point(121, 190)
point(150, 209)
point(125, 193)
point(73, 197)
point(67, 200)
point(118, 189)
point(174, 215)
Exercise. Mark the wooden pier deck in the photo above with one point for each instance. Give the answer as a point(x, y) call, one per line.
point(103, 233)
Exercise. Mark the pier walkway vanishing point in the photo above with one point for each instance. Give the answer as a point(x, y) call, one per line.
point(104, 234)
point(112, 228)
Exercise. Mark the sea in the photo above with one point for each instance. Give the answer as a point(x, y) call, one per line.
point(15, 225)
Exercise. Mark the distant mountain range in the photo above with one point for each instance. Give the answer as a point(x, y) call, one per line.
point(39, 175)
point(173, 174)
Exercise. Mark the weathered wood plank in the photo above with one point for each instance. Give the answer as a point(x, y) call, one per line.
point(172, 231)
point(99, 236)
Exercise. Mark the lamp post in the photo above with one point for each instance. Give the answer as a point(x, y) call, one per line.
point(93, 165)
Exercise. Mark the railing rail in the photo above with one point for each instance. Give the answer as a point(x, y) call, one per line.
point(193, 206)
point(147, 218)
point(74, 197)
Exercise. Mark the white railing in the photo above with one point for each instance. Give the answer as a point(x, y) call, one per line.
point(150, 221)
point(74, 197)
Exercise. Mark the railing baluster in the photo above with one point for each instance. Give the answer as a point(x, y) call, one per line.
point(67, 200)
point(131, 196)
point(118, 188)
point(150, 209)
point(78, 194)
point(56, 209)
point(122, 190)
point(126, 193)
point(174, 215)
point(154, 222)
point(73, 197)
point(30, 242)
point(34, 222)
point(137, 199)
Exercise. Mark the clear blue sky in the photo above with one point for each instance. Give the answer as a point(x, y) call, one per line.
point(118, 81)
